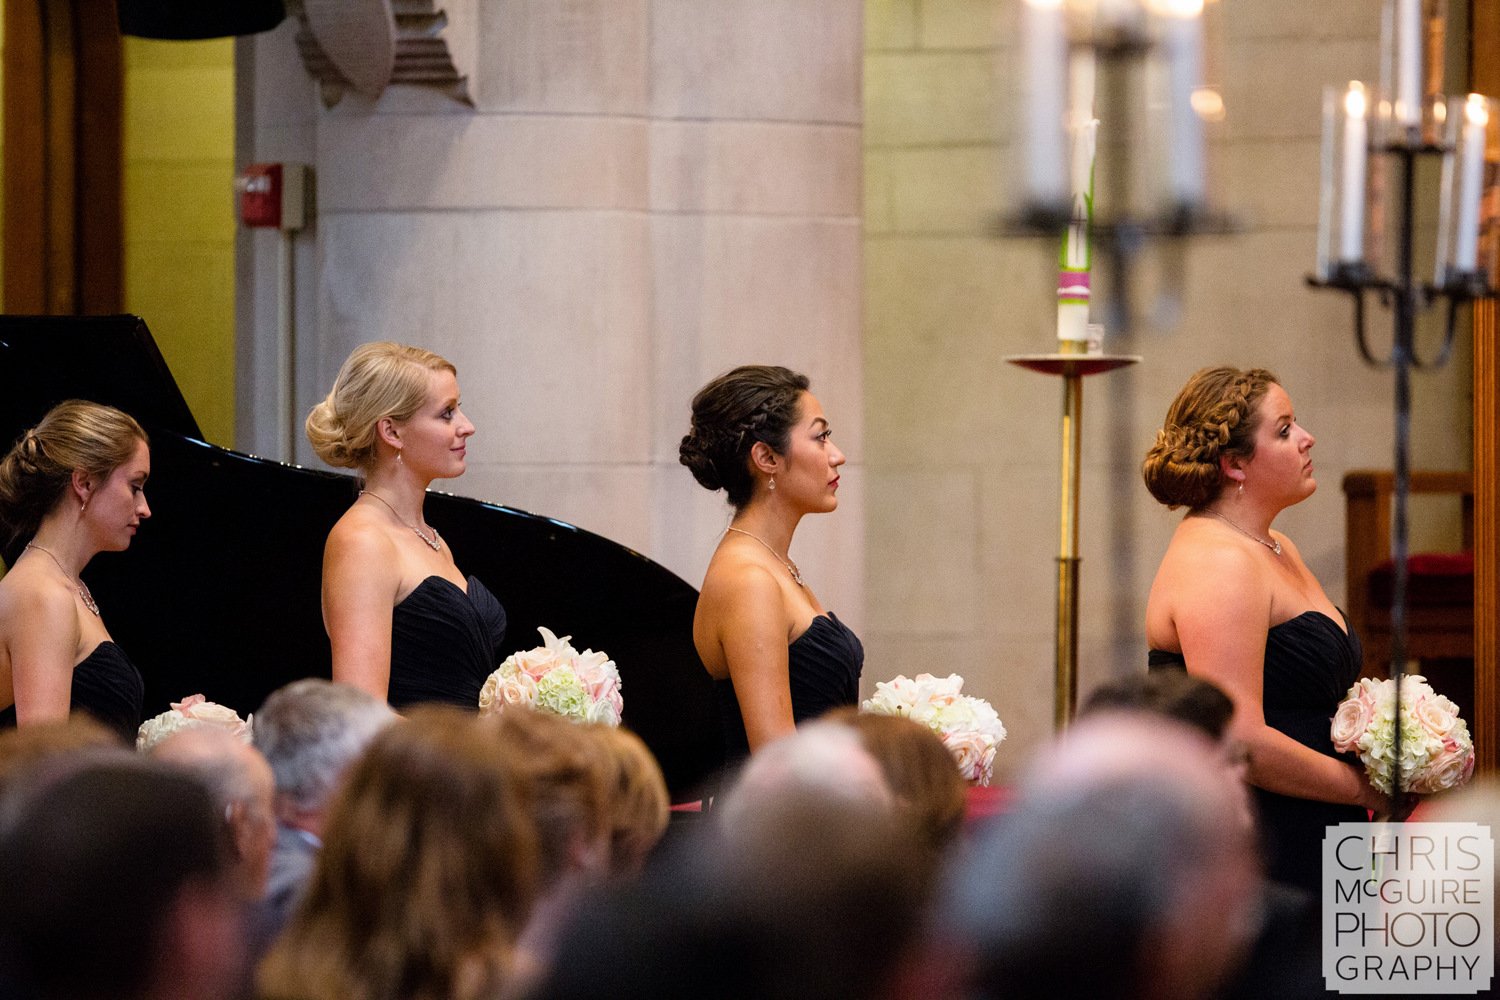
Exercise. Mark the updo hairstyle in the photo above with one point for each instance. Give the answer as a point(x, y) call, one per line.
point(1214, 415)
point(749, 404)
point(377, 380)
point(74, 435)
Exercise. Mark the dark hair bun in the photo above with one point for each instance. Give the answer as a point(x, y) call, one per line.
point(749, 404)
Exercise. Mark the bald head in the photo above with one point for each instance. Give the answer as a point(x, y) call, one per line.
point(243, 788)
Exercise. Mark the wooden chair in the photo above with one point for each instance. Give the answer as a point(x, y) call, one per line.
point(1440, 586)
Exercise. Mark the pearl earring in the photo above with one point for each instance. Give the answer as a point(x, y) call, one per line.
point(1241, 490)
point(398, 455)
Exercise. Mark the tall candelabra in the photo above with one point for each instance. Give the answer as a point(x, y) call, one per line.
point(1073, 51)
point(1397, 124)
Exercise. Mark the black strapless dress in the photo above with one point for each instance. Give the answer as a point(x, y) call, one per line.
point(1310, 665)
point(823, 667)
point(107, 687)
point(444, 643)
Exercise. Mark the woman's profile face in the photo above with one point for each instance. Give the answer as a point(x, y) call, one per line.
point(117, 506)
point(1281, 467)
point(811, 477)
point(434, 440)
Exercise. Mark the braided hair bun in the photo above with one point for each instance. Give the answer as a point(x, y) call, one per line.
point(1214, 415)
point(749, 404)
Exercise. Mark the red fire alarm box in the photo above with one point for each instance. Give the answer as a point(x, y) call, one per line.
point(272, 195)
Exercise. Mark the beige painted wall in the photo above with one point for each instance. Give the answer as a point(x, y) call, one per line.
point(962, 449)
point(646, 193)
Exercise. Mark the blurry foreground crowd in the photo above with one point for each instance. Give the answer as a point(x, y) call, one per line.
point(351, 854)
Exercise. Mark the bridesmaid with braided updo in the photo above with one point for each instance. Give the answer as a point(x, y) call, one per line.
point(73, 486)
point(1234, 604)
point(776, 656)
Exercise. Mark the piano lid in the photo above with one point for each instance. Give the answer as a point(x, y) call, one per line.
point(219, 592)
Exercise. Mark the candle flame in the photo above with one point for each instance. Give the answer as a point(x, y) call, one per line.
point(1209, 104)
point(1354, 100)
point(1477, 110)
point(1176, 8)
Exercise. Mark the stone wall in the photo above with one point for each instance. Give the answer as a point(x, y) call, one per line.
point(646, 193)
point(962, 449)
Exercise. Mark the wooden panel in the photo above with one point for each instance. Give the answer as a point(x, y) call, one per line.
point(1484, 61)
point(25, 159)
point(100, 239)
point(62, 119)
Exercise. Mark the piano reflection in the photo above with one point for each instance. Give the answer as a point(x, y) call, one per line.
point(219, 593)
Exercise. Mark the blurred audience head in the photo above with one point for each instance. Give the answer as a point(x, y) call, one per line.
point(1114, 872)
point(1175, 694)
point(810, 899)
point(38, 751)
point(240, 781)
point(310, 732)
point(922, 774)
point(427, 872)
point(563, 778)
point(115, 883)
point(821, 760)
point(636, 797)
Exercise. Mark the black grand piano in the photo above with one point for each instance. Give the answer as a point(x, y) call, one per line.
point(219, 592)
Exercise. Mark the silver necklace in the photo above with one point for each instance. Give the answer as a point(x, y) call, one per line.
point(791, 567)
point(83, 588)
point(1272, 544)
point(434, 543)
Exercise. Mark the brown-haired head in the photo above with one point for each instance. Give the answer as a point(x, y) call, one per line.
point(636, 794)
point(922, 774)
point(562, 776)
point(427, 872)
point(749, 404)
point(1214, 416)
point(377, 380)
point(75, 436)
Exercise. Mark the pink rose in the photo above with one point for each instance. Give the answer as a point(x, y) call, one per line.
point(1352, 719)
point(1446, 769)
point(973, 752)
point(186, 705)
point(1437, 714)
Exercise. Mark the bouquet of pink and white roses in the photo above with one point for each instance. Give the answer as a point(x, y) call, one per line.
point(968, 726)
point(1436, 751)
point(554, 677)
point(192, 711)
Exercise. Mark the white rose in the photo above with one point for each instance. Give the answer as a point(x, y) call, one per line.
point(974, 753)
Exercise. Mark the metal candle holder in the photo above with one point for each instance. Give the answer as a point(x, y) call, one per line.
point(1404, 294)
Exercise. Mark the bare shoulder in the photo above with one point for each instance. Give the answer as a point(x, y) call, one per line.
point(41, 604)
point(736, 582)
point(1204, 570)
point(359, 536)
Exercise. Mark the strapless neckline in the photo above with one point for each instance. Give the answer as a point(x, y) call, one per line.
point(445, 640)
point(106, 685)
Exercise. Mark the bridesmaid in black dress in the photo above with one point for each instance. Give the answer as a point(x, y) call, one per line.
point(1234, 603)
point(404, 623)
point(777, 656)
point(73, 485)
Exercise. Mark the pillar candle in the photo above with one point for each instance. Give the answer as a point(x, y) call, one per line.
point(1352, 215)
point(1470, 183)
point(1045, 49)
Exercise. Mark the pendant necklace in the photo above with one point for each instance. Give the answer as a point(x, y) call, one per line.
point(791, 567)
point(434, 543)
point(1272, 544)
point(83, 588)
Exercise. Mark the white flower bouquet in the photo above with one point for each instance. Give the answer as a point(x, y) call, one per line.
point(1436, 751)
point(554, 677)
point(194, 710)
point(968, 726)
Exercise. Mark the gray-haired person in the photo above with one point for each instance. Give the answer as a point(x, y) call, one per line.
point(310, 731)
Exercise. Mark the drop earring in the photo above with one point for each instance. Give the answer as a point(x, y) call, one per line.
point(398, 456)
point(1241, 490)
point(772, 484)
